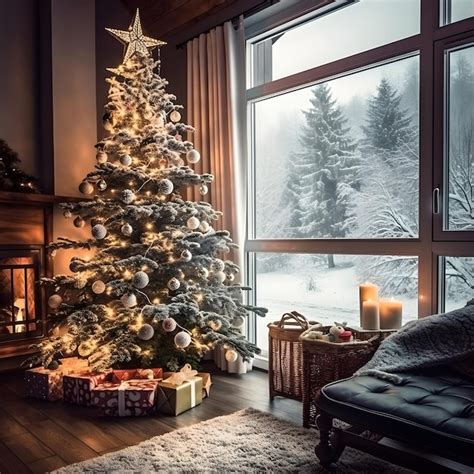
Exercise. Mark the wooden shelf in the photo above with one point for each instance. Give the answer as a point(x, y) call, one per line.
point(29, 199)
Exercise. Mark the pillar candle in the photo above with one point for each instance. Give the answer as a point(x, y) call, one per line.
point(367, 291)
point(370, 315)
point(390, 314)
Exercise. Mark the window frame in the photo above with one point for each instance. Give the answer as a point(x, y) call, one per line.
point(430, 244)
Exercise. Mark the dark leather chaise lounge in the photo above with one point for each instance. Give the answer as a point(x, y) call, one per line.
point(432, 412)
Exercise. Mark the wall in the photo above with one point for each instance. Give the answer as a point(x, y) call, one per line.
point(19, 104)
point(74, 107)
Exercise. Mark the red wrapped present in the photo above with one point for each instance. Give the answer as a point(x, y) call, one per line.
point(123, 375)
point(77, 387)
point(130, 398)
point(44, 384)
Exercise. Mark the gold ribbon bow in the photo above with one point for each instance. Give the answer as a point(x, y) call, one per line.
point(186, 373)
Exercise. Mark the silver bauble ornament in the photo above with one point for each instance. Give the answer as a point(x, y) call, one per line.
point(193, 156)
point(126, 160)
point(220, 276)
point(193, 223)
point(74, 266)
point(237, 321)
point(86, 188)
point(79, 222)
point(186, 255)
point(231, 355)
point(127, 230)
point(98, 287)
point(175, 116)
point(101, 157)
point(203, 190)
point(173, 284)
point(127, 196)
point(146, 332)
point(204, 226)
point(99, 231)
point(67, 214)
point(165, 186)
point(54, 301)
point(140, 280)
point(182, 339)
point(218, 265)
point(129, 300)
point(168, 324)
point(102, 185)
point(203, 272)
point(85, 349)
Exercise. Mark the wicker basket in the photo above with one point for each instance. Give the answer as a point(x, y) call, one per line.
point(325, 362)
point(285, 360)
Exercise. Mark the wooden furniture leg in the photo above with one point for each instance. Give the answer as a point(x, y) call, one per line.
point(330, 446)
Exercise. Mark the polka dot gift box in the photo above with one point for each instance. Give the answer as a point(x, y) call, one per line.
point(127, 398)
point(44, 384)
point(77, 387)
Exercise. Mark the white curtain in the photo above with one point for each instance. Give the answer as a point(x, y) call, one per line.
point(216, 108)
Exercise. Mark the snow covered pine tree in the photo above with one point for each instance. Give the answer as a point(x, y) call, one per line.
point(154, 291)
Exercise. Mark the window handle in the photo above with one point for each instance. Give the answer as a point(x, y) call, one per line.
point(436, 201)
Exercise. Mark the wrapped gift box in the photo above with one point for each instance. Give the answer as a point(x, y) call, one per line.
point(206, 383)
point(118, 376)
point(77, 387)
point(44, 384)
point(130, 398)
point(174, 399)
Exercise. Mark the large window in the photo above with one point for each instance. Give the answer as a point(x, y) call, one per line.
point(361, 142)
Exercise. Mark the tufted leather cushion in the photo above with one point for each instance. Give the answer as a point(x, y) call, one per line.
point(428, 409)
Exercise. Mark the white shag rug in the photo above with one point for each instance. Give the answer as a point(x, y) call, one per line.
point(245, 441)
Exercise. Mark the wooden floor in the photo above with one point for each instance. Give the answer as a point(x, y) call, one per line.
point(39, 436)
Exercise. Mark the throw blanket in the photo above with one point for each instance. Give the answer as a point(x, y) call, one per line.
point(428, 342)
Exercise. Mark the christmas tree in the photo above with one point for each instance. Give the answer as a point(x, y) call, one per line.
point(12, 178)
point(324, 173)
point(156, 290)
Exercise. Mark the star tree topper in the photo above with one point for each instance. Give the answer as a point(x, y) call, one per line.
point(134, 39)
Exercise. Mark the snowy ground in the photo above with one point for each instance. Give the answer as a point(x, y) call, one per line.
point(336, 298)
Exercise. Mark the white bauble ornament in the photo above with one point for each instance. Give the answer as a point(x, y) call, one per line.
point(86, 188)
point(140, 280)
point(85, 349)
point(237, 321)
point(102, 185)
point(129, 300)
point(193, 156)
point(98, 287)
point(220, 277)
point(127, 196)
point(203, 272)
point(175, 116)
point(218, 265)
point(126, 160)
point(146, 332)
point(101, 157)
point(193, 223)
point(186, 255)
point(231, 355)
point(99, 231)
point(165, 186)
point(54, 301)
point(204, 226)
point(182, 339)
point(79, 222)
point(174, 284)
point(67, 214)
point(127, 230)
point(203, 190)
point(168, 324)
